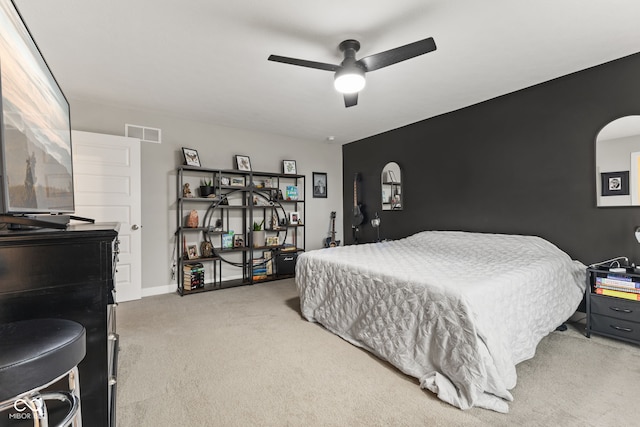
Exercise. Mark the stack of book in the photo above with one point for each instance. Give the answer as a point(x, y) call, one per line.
point(193, 276)
point(259, 269)
point(618, 286)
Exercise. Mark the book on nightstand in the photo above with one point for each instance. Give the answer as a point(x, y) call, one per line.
point(618, 294)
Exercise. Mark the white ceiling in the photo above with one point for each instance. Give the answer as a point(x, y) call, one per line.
point(206, 60)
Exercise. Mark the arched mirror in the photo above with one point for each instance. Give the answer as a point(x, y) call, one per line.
point(618, 163)
point(391, 187)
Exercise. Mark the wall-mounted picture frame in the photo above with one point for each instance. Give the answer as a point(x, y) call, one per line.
point(191, 157)
point(615, 183)
point(237, 181)
point(289, 167)
point(319, 185)
point(294, 218)
point(243, 163)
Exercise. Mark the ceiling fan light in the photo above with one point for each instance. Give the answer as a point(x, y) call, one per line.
point(349, 80)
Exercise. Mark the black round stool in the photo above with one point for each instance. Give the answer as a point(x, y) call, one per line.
point(35, 354)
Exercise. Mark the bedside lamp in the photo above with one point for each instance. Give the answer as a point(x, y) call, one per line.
point(375, 223)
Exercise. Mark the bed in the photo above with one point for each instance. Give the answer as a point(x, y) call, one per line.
point(456, 310)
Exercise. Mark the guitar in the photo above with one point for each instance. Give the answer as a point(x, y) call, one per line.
point(358, 216)
point(331, 242)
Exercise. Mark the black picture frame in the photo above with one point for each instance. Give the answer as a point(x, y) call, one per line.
point(319, 183)
point(191, 157)
point(243, 163)
point(615, 183)
point(289, 167)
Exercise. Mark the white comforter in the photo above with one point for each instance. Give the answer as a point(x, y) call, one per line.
point(456, 310)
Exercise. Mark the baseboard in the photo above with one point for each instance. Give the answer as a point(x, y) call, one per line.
point(159, 290)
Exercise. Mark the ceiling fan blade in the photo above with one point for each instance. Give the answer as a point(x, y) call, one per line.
point(399, 54)
point(350, 99)
point(304, 63)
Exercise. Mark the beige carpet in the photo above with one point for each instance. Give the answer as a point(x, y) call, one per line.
point(245, 357)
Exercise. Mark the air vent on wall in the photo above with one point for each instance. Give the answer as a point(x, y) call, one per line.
point(145, 134)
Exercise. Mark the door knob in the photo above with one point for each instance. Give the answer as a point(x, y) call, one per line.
point(134, 227)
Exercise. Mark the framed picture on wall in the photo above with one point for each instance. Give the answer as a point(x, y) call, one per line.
point(615, 183)
point(320, 185)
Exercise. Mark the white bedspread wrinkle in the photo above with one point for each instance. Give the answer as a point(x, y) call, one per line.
point(456, 310)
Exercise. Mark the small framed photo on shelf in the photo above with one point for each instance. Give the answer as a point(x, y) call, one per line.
point(190, 157)
point(615, 183)
point(292, 192)
point(272, 241)
point(227, 240)
point(243, 163)
point(237, 181)
point(192, 251)
point(320, 185)
point(289, 167)
point(294, 218)
point(225, 180)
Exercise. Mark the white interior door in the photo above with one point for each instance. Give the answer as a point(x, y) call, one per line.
point(106, 175)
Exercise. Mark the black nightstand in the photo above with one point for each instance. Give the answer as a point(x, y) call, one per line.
point(612, 316)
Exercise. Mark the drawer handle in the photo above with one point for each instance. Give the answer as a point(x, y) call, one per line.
point(621, 310)
point(620, 328)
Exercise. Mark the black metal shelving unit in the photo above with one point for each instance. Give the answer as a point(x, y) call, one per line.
point(253, 198)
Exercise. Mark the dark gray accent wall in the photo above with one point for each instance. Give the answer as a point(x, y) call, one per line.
point(522, 163)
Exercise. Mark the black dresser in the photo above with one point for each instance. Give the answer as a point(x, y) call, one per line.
point(68, 274)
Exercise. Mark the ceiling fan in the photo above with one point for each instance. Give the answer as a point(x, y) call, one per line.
point(349, 75)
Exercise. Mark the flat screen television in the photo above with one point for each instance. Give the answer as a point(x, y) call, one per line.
point(35, 126)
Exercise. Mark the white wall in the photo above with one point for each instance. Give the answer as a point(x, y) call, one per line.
point(216, 146)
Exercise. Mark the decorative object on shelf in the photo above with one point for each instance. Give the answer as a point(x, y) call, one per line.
point(192, 219)
point(185, 255)
point(292, 192)
point(259, 235)
point(268, 183)
point(375, 223)
point(243, 163)
point(206, 187)
point(224, 180)
point(191, 157)
point(278, 195)
point(238, 241)
point(237, 181)
point(319, 185)
point(275, 225)
point(272, 241)
point(192, 251)
point(294, 218)
point(186, 190)
point(227, 240)
point(289, 167)
point(206, 249)
point(615, 183)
